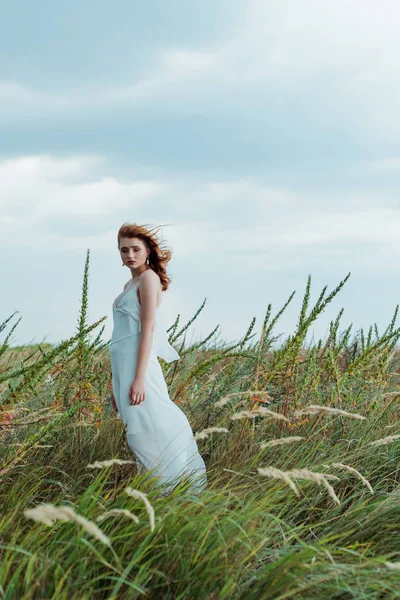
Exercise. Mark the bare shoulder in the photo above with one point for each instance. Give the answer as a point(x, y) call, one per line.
point(150, 276)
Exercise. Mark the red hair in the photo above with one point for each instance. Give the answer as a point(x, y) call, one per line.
point(159, 255)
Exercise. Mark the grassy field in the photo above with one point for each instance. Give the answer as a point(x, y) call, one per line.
point(302, 447)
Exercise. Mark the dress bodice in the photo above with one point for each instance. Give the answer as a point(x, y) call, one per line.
point(126, 317)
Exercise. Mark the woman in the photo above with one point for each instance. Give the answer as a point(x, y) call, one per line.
point(158, 432)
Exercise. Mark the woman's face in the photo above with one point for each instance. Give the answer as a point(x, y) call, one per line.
point(133, 252)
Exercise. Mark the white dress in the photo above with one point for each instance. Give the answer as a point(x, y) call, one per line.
point(158, 431)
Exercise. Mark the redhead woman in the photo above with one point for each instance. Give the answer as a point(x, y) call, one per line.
point(158, 432)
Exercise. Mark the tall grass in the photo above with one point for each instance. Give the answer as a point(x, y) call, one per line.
point(302, 449)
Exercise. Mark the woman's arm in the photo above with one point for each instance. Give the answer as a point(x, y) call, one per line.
point(148, 285)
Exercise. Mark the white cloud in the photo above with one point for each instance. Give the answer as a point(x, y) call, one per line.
point(288, 39)
point(347, 51)
point(240, 219)
point(48, 167)
point(41, 186)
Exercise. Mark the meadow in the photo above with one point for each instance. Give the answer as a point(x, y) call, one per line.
point(302, 447)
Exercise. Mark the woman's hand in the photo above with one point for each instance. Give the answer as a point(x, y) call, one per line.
point(136, 391)
point(114, 404)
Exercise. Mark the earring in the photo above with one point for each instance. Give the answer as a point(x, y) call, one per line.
point(147, 261)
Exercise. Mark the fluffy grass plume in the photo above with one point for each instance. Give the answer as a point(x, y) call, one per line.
point(206, 432)
point(118, 512)
point(260, 410)
point(386, 440)
point(281, 441)
point(48, 513)
point(314, 409)
point(142, 496)
point(393, 565)
point(108, 463)
point(288, 476)
point(353, 471)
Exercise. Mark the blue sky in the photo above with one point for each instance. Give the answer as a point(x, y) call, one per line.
point(263, 136)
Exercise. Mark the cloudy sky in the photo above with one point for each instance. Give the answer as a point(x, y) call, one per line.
point(263, 136)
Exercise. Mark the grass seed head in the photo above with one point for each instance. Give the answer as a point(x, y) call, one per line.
point(288, 476)
point(48, 513)
point(260, 410)
point(386, 440)
point(281, 441)
point(314, 409)
point(142, 496)
point(206, 432)
point(108, 463)
point(319, 478)
point(278, 474)
point(393, 565)
point(118, 511)
point(354, 472)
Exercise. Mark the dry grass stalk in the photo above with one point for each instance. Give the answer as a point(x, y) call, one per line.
point(236, 472)
point(386, 440)
point(142, 496)
point(34, 446)
point(107, 463)
point(281, 441)
point(314, 409)
point(16, 410)
point(48, 513)
point(226, 398)
point(260, 410)
point(206, 432)
point(21, 423)
point(5, 470)
point(354, 472)
point(319, 478)
point(118, 511)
